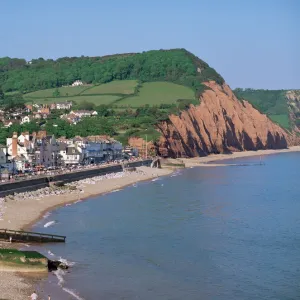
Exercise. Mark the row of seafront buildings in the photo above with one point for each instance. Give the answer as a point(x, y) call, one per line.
point(27, 151)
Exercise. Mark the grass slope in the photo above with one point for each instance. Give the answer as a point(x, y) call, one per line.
point(281, 120)
point(17, 258)
point(156, 93)
point(125, 87)
point(96, 99)
point(64, 92)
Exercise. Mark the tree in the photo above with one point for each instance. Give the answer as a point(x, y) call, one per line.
point(86, 105)
point(56, 93)
point(1, 94)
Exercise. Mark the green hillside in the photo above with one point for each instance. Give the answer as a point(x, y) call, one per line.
point(119, 94)
point(271, 102)
point(177, 66)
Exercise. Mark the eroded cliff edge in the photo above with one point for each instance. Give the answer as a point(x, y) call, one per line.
point(220, 124)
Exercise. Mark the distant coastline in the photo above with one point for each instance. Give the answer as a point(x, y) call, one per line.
point(207, 161)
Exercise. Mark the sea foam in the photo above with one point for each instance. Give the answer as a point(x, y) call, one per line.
point(72, 293)
point(49, 224)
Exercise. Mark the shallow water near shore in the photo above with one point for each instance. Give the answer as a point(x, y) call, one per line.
point(204, 233)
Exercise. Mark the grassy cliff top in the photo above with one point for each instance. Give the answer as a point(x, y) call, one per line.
point(273, 103)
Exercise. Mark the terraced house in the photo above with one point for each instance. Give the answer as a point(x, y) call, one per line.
point(33, 149)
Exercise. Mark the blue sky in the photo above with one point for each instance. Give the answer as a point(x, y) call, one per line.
point(250, 43)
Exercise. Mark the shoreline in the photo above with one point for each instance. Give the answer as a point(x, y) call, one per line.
point(24, 214)
point(207, 161)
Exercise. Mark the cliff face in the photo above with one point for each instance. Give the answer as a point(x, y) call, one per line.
point(293, 101)
point(220, 124)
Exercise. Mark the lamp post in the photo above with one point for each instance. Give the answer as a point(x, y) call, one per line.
point(146, 146)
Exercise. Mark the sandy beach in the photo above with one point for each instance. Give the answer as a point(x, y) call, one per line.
point(24, 210)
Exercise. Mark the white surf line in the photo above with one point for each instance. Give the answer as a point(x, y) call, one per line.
point(49, 224)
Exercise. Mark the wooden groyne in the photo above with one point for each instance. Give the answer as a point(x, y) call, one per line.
point(27, 236)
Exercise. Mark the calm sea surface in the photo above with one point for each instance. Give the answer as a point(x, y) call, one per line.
point(220, 233)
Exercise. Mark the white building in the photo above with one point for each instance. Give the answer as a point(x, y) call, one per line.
point(25, 119)
point(69, 154)
point(17, 146)
point(77, 83)
point(83, 113)
point(64, 105)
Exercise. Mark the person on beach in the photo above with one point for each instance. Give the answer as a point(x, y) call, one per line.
point(33, 296)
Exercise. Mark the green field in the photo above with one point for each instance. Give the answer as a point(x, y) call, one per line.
point(97, 99)
point(125, 87)
point(156, 93)
point(151, 93)
point(281, 120)
point(64, 92)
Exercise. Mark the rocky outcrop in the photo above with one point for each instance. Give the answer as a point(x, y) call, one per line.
point(293, 101)
point(219, 124)
point(143, 147)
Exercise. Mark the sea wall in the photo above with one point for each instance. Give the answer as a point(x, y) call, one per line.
point(37, 183)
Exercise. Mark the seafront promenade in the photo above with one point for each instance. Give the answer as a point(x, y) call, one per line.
point(31, 183)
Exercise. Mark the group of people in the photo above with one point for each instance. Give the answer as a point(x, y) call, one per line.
point(34, 296)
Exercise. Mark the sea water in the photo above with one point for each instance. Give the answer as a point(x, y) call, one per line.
point(210, 233)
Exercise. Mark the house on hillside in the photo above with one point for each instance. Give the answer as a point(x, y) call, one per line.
point(25, 119)
point(71, 118)
point(7, 123)
point(28, 108)
point(64, 105)
point(84, 113)
point(44, 110)
point(37, 115)
point(77, 83)
point(61, 105)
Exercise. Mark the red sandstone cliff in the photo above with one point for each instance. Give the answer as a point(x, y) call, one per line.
point(221, 123)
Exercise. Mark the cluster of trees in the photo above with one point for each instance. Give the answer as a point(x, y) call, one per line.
point(111, 122)
point(59, 127)
point(178, 66)
point(11, 102)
